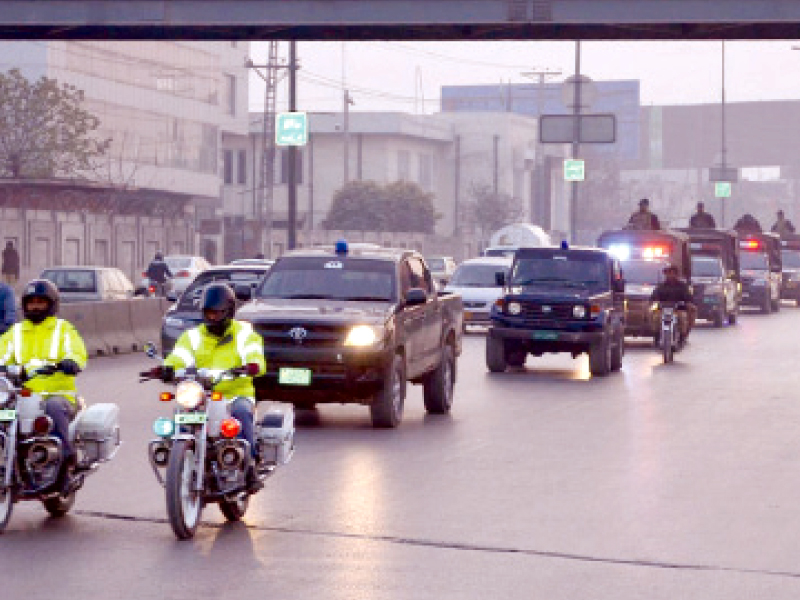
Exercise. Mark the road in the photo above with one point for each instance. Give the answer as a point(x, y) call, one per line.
point(662, 481)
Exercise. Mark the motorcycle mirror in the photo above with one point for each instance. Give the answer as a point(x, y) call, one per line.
point(150, 350)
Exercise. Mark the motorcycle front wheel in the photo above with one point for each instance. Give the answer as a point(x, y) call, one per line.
point(6, 506)
point(59, 505)
point(184, 503)
point(666, 345)
point(234, 510)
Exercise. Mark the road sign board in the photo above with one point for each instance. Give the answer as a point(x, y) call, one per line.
point(574, 170)
point(730, 174)
point(594, 129)
point(291, 129)
point(722, 189)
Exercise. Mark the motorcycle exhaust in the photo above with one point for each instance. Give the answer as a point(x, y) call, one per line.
point(41, 454)
point(230, 456)
point(161, 455)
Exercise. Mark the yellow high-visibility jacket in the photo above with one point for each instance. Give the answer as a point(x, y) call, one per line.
point(49, 342)
point(239, 346)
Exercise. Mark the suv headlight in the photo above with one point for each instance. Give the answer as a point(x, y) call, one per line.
point(579, 311)
point(514, 308)
point(361, 336)
point(189, 394)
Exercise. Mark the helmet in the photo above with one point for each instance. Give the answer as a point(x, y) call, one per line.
point(671, 267)
point(40, 288)
point(159, 256)
point(218, 296)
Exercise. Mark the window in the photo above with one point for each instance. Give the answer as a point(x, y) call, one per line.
point(230, 94)
point(227, 167)
point(285, 166)
point(426, 171)
point(242, 171)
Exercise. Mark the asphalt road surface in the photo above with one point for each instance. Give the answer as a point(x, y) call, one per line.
point(663, 481)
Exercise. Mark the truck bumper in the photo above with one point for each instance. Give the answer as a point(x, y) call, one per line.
point(755, 296)
point(709, 306)
point(547, 336)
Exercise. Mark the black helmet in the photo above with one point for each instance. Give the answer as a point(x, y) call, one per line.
point(159, 256)
point(40, 288)
point(218, 296)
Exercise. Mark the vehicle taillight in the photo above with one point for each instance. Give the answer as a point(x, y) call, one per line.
point(43, 424)
point(230, 427)
point(750, 244)
point(166, 396)
point(595, 310)
point(655, 252)
point(183, 274)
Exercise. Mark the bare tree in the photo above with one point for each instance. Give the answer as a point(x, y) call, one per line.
point(489, 210)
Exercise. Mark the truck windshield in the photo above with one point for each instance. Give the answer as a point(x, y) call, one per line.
point(476, 276)
point(706, 266)
point(568, 270)
point(791, 259)
point(330, 278)
point(643, 272)
point(754, 261)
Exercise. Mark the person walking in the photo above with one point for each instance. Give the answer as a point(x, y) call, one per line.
point(701, 219)
point(10, 266)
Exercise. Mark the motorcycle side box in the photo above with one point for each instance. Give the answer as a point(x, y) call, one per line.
point(276, 435)
point(97, 432)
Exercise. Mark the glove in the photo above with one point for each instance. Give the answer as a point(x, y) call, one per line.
point(69, 367)
point(252, 369)
point(167, 373)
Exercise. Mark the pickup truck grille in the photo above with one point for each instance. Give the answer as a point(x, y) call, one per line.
point(307, 336)
point(539, 310)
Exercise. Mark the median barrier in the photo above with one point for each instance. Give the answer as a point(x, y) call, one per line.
point(83, 317)
point(146, 315)
point(114, 325)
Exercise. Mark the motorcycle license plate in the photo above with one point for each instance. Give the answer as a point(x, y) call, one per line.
point(190, 418)
point(8, 414)
point(291, 376)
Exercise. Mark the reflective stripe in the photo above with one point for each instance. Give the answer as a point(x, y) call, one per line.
point(251, 348)
point(56, 340)
point(185, 356)
point(18, 343)
point(241, 343)
point(194, 339)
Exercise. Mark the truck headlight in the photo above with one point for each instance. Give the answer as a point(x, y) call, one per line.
point(514, 308)
point(579, 311)
point(189, 394)
point(361, 336)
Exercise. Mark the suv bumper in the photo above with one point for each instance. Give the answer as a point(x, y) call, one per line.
point(548, 336)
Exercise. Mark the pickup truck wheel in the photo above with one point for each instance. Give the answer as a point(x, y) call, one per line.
point(775, 305)
point(437, 391)
point(495, 355)
point(387, 408)
point(766, 305)
point(719, 317)
point(732, 318)
point(600, 358)
point(617, 352)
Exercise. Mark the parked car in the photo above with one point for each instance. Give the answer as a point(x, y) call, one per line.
point(476, 281)
point(87, 284)
point(441, 267)
point(185, 313)
point(184, 269)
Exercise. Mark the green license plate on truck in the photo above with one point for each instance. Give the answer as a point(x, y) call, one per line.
point(548, 336)
point(291, 376)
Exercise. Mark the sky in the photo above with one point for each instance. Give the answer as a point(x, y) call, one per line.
point(397, 76)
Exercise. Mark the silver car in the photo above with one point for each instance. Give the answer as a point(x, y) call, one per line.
point(441, 267)
point(87, 284)
point(475, 280)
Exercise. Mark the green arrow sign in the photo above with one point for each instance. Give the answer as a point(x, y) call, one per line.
point(574, 170)
point(291, 129)
point(722, 189)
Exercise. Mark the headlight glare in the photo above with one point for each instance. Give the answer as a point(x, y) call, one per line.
point(361, 336)
point(514, 308)
point(189, 394)
point(579, 311)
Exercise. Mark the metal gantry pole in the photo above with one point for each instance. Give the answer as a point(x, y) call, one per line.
point(576, 146)
point(724, 141)
point(291, 241)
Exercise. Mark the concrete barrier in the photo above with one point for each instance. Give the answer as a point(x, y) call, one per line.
point(146, 315)
point(83, 317)
point(114, 325)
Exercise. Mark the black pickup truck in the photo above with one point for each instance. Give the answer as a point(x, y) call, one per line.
point(353, 325)
point(559, 300)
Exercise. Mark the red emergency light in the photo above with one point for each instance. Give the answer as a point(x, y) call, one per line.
point(655, 252)
point(750, 245)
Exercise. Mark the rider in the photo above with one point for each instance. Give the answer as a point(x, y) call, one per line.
point(44, 339)
point(701, 219)
point(783, 226)
point(158, 272)
point(643, 218)
point(223, 343)
point(675, 289)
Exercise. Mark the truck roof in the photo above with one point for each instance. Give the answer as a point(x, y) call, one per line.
point(558, 251)
point(355, 250)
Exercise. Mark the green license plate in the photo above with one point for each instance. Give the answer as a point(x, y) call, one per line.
point(290, 376)
point(8, 414)
point(190, 418)
point(710, 300)
point(549, 336)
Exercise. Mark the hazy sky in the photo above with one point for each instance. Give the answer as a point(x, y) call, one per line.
point(397, 75)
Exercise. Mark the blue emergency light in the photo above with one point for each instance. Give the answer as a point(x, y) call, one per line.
point(341, 248)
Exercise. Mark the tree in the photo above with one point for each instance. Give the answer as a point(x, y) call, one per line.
point(367, 206)
point(44, 130)
point(490, 210)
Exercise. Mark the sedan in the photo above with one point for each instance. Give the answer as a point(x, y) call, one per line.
point(184, 269)
point(476, 281)
point(87, 284)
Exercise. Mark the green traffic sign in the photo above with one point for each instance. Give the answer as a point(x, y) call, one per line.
point(722, 189)
point(291, 129)
point(574, 170)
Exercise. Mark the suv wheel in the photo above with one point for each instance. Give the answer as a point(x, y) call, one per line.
point(600, 357)
point(437, 391)
point(495, 354)
point(617, 352)
point(719, 317)
point(387, 408)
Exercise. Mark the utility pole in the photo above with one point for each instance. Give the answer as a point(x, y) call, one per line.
point(576, 145)
point(291, 234)
point(347, 100)
point(724, 148)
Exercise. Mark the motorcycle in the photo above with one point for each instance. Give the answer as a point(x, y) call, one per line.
point(156, 289)
point(670, 336)
point(31, 457)
point(197, 457)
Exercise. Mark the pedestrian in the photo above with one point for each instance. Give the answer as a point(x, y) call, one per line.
point(747, 223)
point(783, 226)
point(701, 219)
point(643, 218)
point(10, 266)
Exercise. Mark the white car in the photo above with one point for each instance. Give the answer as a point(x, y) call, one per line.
point(184, 269)
point(476, 281)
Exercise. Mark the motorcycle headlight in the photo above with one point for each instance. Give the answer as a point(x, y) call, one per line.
point(579, 311)
point(514, 308)
point(361, 336)
point(189, 394)
point(5, 390)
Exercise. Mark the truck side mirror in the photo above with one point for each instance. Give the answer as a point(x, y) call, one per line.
point(416, 296)
point(500, 278)
point(619, 286)
point(243, 293)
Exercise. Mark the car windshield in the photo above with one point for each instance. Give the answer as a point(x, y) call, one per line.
point(476, 275)
point(435, 264)
point(706, 267)
point(233, 278)
point(72, 280)
point(643, 272)
point(178, 262)
point(755, 261)
point(567, 270)
point(791, 259)
point(330, 278)
point(509, 252)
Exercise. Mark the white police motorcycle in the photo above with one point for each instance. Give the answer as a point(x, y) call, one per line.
point(31, 456)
